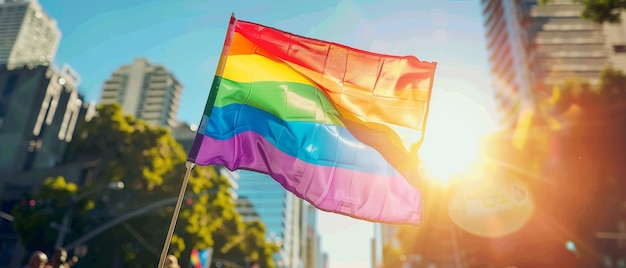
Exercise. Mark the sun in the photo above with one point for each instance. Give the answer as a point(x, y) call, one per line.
point(456, 125)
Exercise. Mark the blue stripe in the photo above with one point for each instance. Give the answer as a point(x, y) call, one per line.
point(312, 142)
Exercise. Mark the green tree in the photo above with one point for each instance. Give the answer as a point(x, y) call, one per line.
point(392, 257)
point(604, 10)
point(36, 217)
point(250, 247)
point(151, 164)
point(590, 158)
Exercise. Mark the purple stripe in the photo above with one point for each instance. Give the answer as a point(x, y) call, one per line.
point(387, 199)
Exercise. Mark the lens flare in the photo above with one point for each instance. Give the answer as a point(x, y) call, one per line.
point(456, 125)
point(491, 207)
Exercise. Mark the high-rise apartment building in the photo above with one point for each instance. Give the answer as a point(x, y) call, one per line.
point(279, 210)
point(146, 91)
point(535, 47)
point(27, 33)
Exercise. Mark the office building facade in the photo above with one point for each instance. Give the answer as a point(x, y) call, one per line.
point(279, 210)
point(533, 48)
point(27, 33)
point(40, 108)
point(146, 91)
point(39, 111)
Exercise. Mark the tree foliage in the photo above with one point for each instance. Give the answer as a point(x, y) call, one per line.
point(250, 247)
point(590, 159)
point(392, 257)
point(604, 10)
point(151, 164)
point(36, 215)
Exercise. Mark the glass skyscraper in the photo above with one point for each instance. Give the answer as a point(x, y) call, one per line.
point(278, 209)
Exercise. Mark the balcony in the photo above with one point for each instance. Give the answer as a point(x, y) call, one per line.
point(569, 40)
point(555, 10)
point(111, 87)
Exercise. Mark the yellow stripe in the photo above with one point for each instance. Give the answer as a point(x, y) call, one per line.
point(255, 68)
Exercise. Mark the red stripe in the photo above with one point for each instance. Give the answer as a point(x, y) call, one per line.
point(347, 64)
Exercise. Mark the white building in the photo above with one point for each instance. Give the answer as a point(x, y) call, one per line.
point(27, 33)
point(534, 47)
point(146, 91)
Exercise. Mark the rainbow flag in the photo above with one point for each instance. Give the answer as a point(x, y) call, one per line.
point(201, 258)
point(336, 126)
point(195, 259)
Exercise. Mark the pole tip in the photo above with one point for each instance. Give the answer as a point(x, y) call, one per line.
point(189, 164)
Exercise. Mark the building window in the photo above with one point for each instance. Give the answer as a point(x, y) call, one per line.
point(34, 145)
point(9, 87)
point(619, 48)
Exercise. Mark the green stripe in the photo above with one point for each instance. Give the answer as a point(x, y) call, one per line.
point(212, 95)
point(289, 101)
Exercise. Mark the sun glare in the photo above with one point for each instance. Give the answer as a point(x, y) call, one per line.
point(455, 126)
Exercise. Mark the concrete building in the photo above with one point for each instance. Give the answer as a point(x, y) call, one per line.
point(40, 108)
point(184, 134)
point(615, 41)
point(28, 34)
point(146, 91)
point(535, 47)
point(566, 46)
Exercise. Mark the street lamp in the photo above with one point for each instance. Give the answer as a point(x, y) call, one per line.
point(65, 223)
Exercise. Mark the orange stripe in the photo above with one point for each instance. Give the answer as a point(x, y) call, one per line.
point(377, 102)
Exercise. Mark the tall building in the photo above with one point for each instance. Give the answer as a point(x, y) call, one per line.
point(28, 34)
point(566, 45)
point(184, 134)
point(40, 108)
point(310, 239)
point(146, 91)
point(279, 210)
point(535, 47)
point(385, 235)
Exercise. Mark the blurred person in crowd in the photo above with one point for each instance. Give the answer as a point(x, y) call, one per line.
point(37, 260)
point(171, 262)
point(59, 260)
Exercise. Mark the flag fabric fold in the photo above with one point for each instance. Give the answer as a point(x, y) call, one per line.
point(336, 126)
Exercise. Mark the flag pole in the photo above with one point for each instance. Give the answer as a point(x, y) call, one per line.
point(170, 232)
point(194, 150)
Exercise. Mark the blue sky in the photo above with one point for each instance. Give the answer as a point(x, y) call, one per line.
point(187, 36)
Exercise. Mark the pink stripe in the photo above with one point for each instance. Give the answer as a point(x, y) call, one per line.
point(387, 199)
